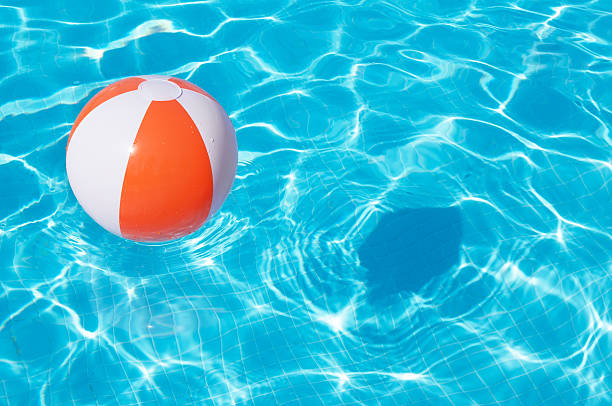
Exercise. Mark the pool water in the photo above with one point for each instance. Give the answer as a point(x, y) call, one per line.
point(421, 214)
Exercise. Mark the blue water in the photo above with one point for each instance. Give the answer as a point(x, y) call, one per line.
point(421, 216)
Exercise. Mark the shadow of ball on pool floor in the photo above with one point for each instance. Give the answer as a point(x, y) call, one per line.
point(408, 248)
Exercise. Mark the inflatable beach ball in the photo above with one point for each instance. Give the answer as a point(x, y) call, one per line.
point(151, 158)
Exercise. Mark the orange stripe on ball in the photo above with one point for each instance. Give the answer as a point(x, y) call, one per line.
point(110, 91)
point(168, 185)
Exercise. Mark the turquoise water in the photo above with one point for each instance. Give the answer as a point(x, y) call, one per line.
point(421, 214)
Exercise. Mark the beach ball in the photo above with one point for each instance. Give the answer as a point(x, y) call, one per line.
point(151, 158)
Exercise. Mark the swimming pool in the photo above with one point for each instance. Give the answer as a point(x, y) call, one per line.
point(421, 213)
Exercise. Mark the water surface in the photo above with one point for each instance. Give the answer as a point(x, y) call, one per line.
point(421, 213)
